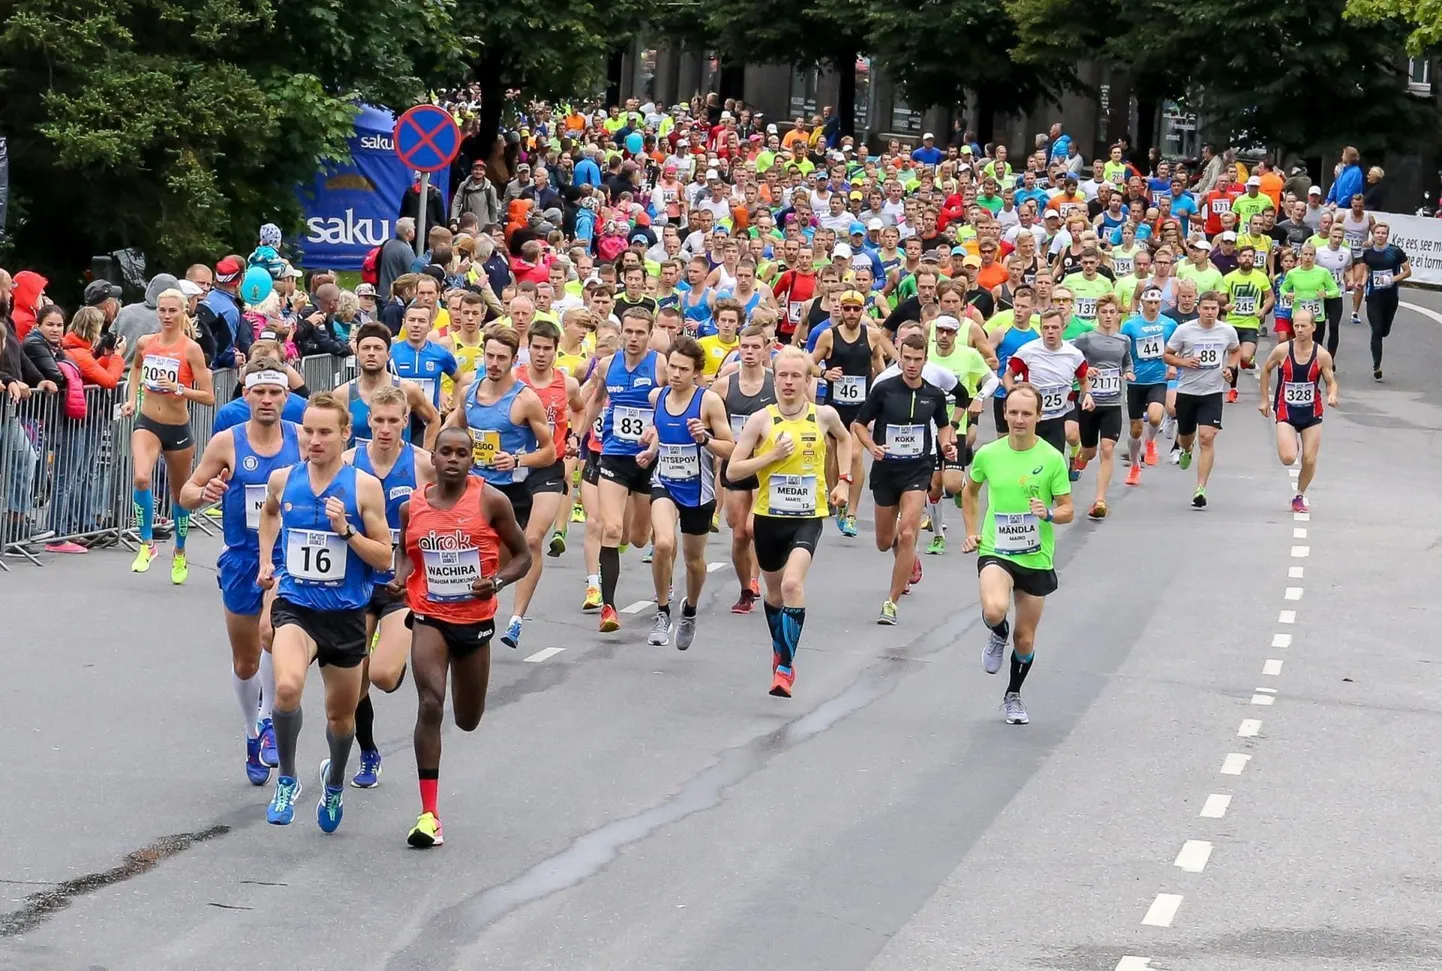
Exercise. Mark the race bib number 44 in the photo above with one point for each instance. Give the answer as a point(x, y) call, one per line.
point(1150, 348)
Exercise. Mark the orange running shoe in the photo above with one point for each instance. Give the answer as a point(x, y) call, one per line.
point(609, 621)
point(1134, 475)
point(782, 679)
point(1232, 396)
point(1151, 453)
point(755, 587)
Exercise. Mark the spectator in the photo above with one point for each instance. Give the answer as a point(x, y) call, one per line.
point(27, 297)
point(435, 206)
point(315, 330)
point(348, 313)
point(1060, 143)
point(493, 264)
point(403, 291)
point(105, 297)
point(366, 297)
point(476, 195)
point(587, 171)
point(928, 153)
point(1373, 193)
point(42, 344)
point(519, 184)
point(396, 254)
point(136, 320)
point(1349, 180)
point(20, 379)
point(91, 360)
point(219, 313)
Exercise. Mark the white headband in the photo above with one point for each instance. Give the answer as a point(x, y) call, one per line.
point(267, 377)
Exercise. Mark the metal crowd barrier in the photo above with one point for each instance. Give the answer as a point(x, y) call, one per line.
point(66, 479)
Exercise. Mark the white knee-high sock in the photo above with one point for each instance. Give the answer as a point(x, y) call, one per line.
point(247, 692)
point(267, 685)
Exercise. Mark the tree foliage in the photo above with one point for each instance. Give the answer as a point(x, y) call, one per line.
point(1423, 16)
point(178, 128)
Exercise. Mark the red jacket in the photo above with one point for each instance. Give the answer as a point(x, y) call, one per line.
point(104, 372)
point(23, 298)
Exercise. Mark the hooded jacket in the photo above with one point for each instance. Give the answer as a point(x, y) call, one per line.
point(139, 319)
point(23, 298)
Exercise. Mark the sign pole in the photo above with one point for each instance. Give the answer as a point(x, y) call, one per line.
point(421, 213)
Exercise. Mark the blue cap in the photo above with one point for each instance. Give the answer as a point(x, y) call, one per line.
point(856, 228)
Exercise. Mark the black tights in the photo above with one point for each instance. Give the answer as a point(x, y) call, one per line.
point(1329, 330)
point(1381, 310)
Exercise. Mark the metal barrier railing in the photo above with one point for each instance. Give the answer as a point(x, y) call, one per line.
point(70, 479)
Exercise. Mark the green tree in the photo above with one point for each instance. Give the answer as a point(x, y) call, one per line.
point(178, 128)
point(1424, 17)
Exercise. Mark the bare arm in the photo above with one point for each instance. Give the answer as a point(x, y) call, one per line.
point(422, 408)
point(207, 483)
point(373, 545)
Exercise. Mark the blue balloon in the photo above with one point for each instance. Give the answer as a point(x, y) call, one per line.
point(256, 286)
point(635, 143)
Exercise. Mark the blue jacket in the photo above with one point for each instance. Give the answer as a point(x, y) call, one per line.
point(1348, 184)
point(587, 173)
point(226, 307)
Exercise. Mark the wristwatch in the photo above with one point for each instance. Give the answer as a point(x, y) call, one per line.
point(844, 477)
point(349, 533)
point(498, 584)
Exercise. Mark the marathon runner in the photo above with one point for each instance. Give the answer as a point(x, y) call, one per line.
point(1385, 266)
point(1147, 393)
point(233, 471)
point(1249, 300)
point(1301, 367)
point(322, 588)
point(421, 360)
point(450, 569)
point(1358, 226)
point(1028, 490)
point(1336, 259)
point(1058, 371)
point(372, 354)
point(1205, 353)
point(978, 379)
point(170, 367)
point(745, 391)
point(1109, 362)
point(784, 445)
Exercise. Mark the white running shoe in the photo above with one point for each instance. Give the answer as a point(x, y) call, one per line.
point(1015, 710)
point(660, 634)
point(994, 653)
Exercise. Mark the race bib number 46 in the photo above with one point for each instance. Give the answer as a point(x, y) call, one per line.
point(849, 390)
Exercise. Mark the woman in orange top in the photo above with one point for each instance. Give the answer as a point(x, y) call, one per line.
point(171, 368)
point(449, 565)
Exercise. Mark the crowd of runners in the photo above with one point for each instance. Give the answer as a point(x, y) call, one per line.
point(787, 324)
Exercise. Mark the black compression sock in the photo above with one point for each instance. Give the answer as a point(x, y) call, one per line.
point(365, 720)
point(1019, 670)
point(610, 573)
point(664, 608)
point(688, 609)
point(1002, 629)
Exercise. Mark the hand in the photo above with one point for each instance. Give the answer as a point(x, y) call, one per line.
point(121, 344)
point(19, 391)
point(1191, 362)
point(1130, 376)
point(483, 587)
point(648, 435)
point(1087, 404)
point(970, 544)
point(316, 319)
point(395, 587)
point(573, 447)
point(948, 451)
point(1038, 508)
point(1228, 371)
point(697, 428)
point(975, 408)
point(1265, 407)
point(644, 459)
point(168, 387)
point(878, 452)
point(783, 448)
point(1331, 399)
point(1171, 374)
point(49, 387)
point(239, 358)
point(214, 490)
point(503, 462)
point(265, 578)
point(335, 512)
point(833, 374)
point(840, 494)
point(126, 410)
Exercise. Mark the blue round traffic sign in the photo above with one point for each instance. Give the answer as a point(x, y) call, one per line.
point(426, 138)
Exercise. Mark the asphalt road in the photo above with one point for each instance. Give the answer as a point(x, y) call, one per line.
point(1203, 785)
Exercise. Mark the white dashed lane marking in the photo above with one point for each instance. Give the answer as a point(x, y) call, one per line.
point(1302, 517)
point(1162, 910)
point(1216, 806)
point(547, 654)
point(1234, 763)
point(1281, 640)
point(1294, 573)
point(1272, 667)
point(1193, 857)
point(1249, 728)
point(1293, 593)
point(1301, 552)
point(637, 607)
point(1299, 533)
point(1131, 963)
point(1287, 617)
point(713, 567)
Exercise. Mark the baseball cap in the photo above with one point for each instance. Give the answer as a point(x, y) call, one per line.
point(856, 194)
point(1228, 237)
point(875, 224)
point(931, 256)
point(1315, 190)
point(971, 261)
point(725, 116)
point(966, 149)
point(228, 270)
point(842, 250)
point(852, 296)
point(1200, 244)
point(713, 176)
point(1254, 181)
point(856, 228)
point(640, 238)
point(290, 273)
point(365, 290)
point(958, 250)
point(927, 135)
point(771, 128)
point(946, 322)
point(99, 291)
point(190, 289)
point(1051, 214)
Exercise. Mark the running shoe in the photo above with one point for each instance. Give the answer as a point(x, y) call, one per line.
point(1079, 463)
point(578, 513)
point(715, 523)
point(1176, 455)
point(649, 555)
point(1185, 461)
point(782, 681)
point(179, 567)
point(609, 621)
point(593, 598)
point(1299, 503)
point(1134, 475)
point(1074, 474)
point(1231, 396)
point(368, 776)
point(558, 544)
point(848, 526)
point(995, 651)
point(330, 808)
point(937, 546)
point(1150, 453)
point(685, 631)
point(65, 547)
point(840, 513)
point(755, 587)
point(925, 521)
point(143, 556)
point(512, 637)
point(1377, 373)
point(744, 603)
point(214, 512)
point(1199, 499)
point(255, 770)
point(915, 571)
point(268, 754)
point(282, 805)
point(660, 629)
point(1098, 511)
point(426, 832)
point(1357, 320)
point(887, 617)
point(1015, 710)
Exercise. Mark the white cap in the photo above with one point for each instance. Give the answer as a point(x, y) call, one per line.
point(927, 135)
point(190, 289)
point(1315, 190)
point(1200, 244)
point(946, 322)
point(771, 129)
point(842, 250)
point(712, 174)
point(1228, 237)
point(874, 225)
point(725, 116)
point(1254, 180)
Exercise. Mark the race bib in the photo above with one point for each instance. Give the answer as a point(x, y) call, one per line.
point(1284, 301)
point(629, 423)
point(1315, 306)
point(1339, 277)
point(679, 462)
point(1106, 382)
point(793, 311)
point(1122, 265)
point(315, 556)
point(1017, 533)
point(1381, 279)
point(254, 500)
point(1299, 393)
point(450, 573)
point(1245, 306)
point(1150, 348)
point(1354, 241)
point(427, 386)
point(598, 426)
point(738, 422)
point(1054, 399)
point(1220, 206)
point(1210, 355)
point(1086, 308)
point(485, 445)
point(849, 390)
point(792, 495)
point(905, 441)
point(154, 370)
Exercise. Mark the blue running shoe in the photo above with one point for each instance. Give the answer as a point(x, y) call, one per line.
point(650, 554)
point(255, 770)
point(282, 806)
point(268, 755)
point(369, 774)
point(328, 810)
point(512, 637)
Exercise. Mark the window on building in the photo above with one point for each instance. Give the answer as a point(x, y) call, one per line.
point(804, 82)
point(1419, 75)
point(904, 121)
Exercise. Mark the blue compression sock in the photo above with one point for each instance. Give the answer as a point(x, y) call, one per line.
point(145, 514)
point(182, 528)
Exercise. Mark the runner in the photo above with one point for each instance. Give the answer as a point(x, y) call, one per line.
point(608, 341)
point(971, 370)
point(372, 355)
point(623, 391)
point(1109, 360)
point(1249, 300)
point(450, 571)
point(171, 368)
point(784, 445)
point(904, 409)
point(1336, 259)
point(322, 588)
point(573, 356)
point(464, 340)
point(744, 392)
point(1301, 366)
point(421, 360)
point(1053, 366)
point(233, 471)
point(401, 468)
point(1310, 287)
point(1028, 492)
point(1385, 267)
point(847, 356)
point(1006, 332)
point(1206, 353)
point(1148, 332)
point(560, 396)
point(681, 447)
point(1358, 227)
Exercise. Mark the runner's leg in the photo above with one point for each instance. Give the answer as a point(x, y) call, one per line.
point(1311, 447)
